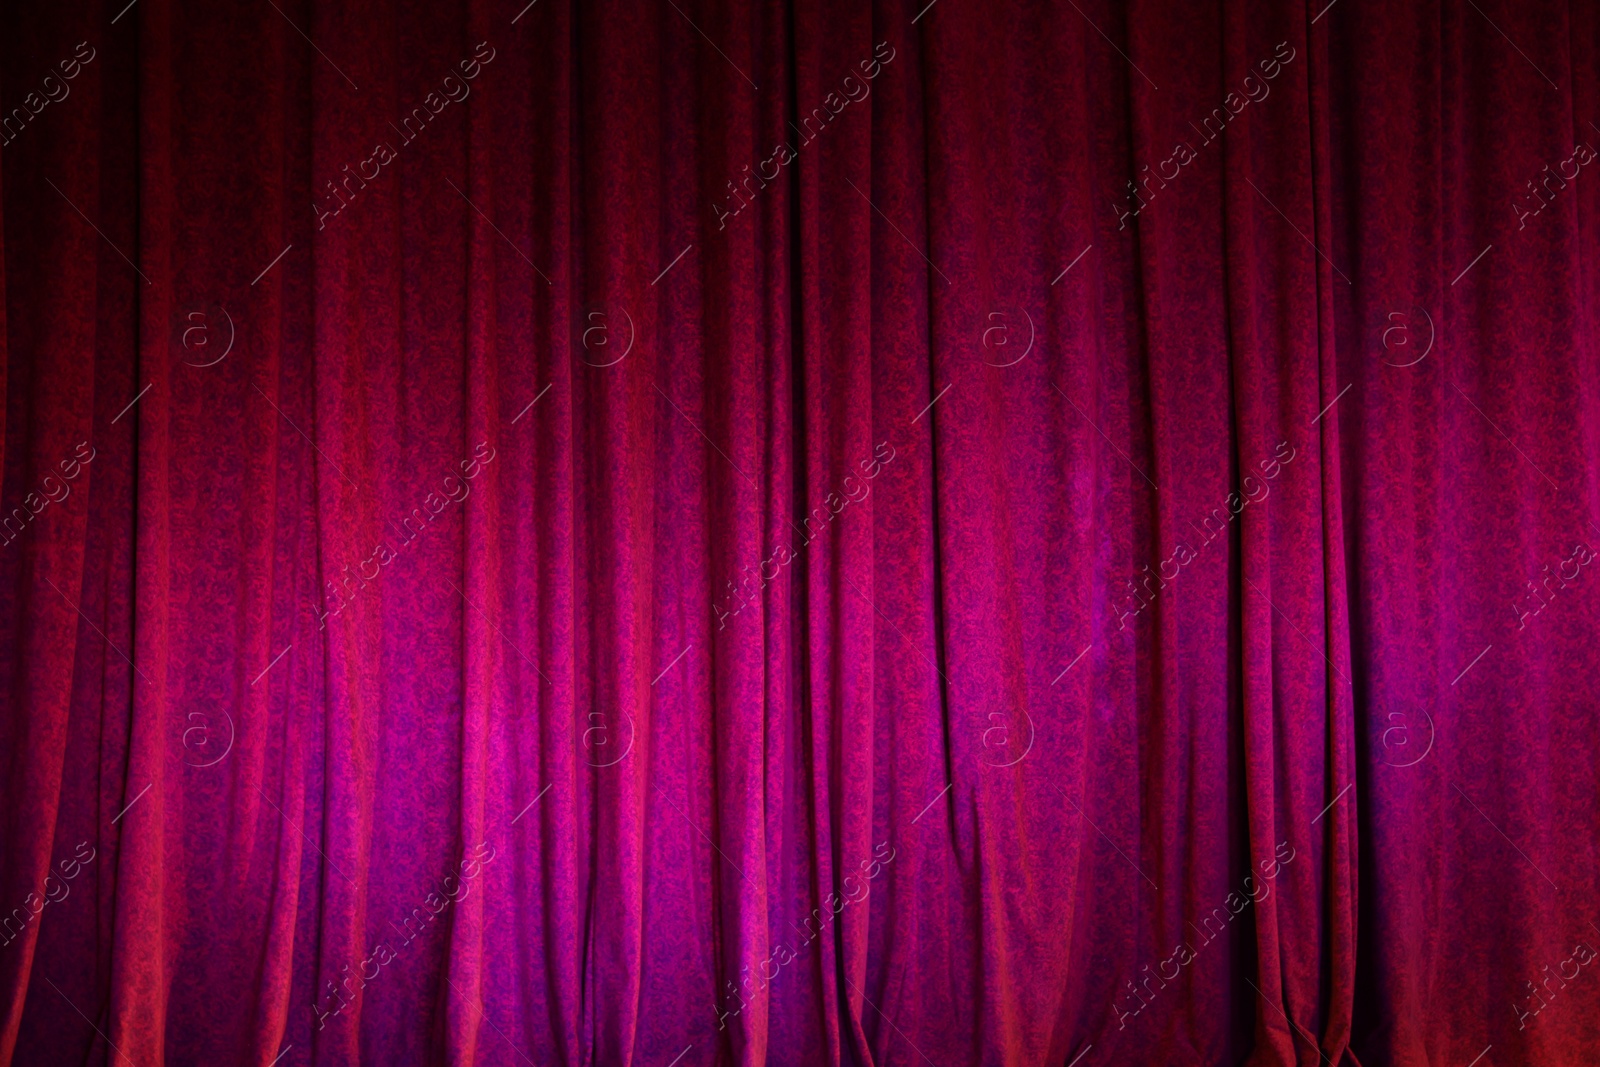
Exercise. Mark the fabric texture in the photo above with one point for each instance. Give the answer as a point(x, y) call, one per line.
point(799, 533)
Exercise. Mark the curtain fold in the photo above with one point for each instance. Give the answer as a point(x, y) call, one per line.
point(796, 533)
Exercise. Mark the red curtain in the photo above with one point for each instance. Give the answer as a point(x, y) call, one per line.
point(693, 532)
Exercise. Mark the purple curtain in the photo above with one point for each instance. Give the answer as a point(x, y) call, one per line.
point(688, 533)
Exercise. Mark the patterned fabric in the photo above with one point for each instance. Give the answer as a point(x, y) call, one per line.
point(960, 533)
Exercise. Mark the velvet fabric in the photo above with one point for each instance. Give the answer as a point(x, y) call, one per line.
point(677, 533)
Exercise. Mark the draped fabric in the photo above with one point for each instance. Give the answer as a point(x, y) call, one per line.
point(799, 533)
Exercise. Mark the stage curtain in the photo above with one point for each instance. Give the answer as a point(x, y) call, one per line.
point(810, 532)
